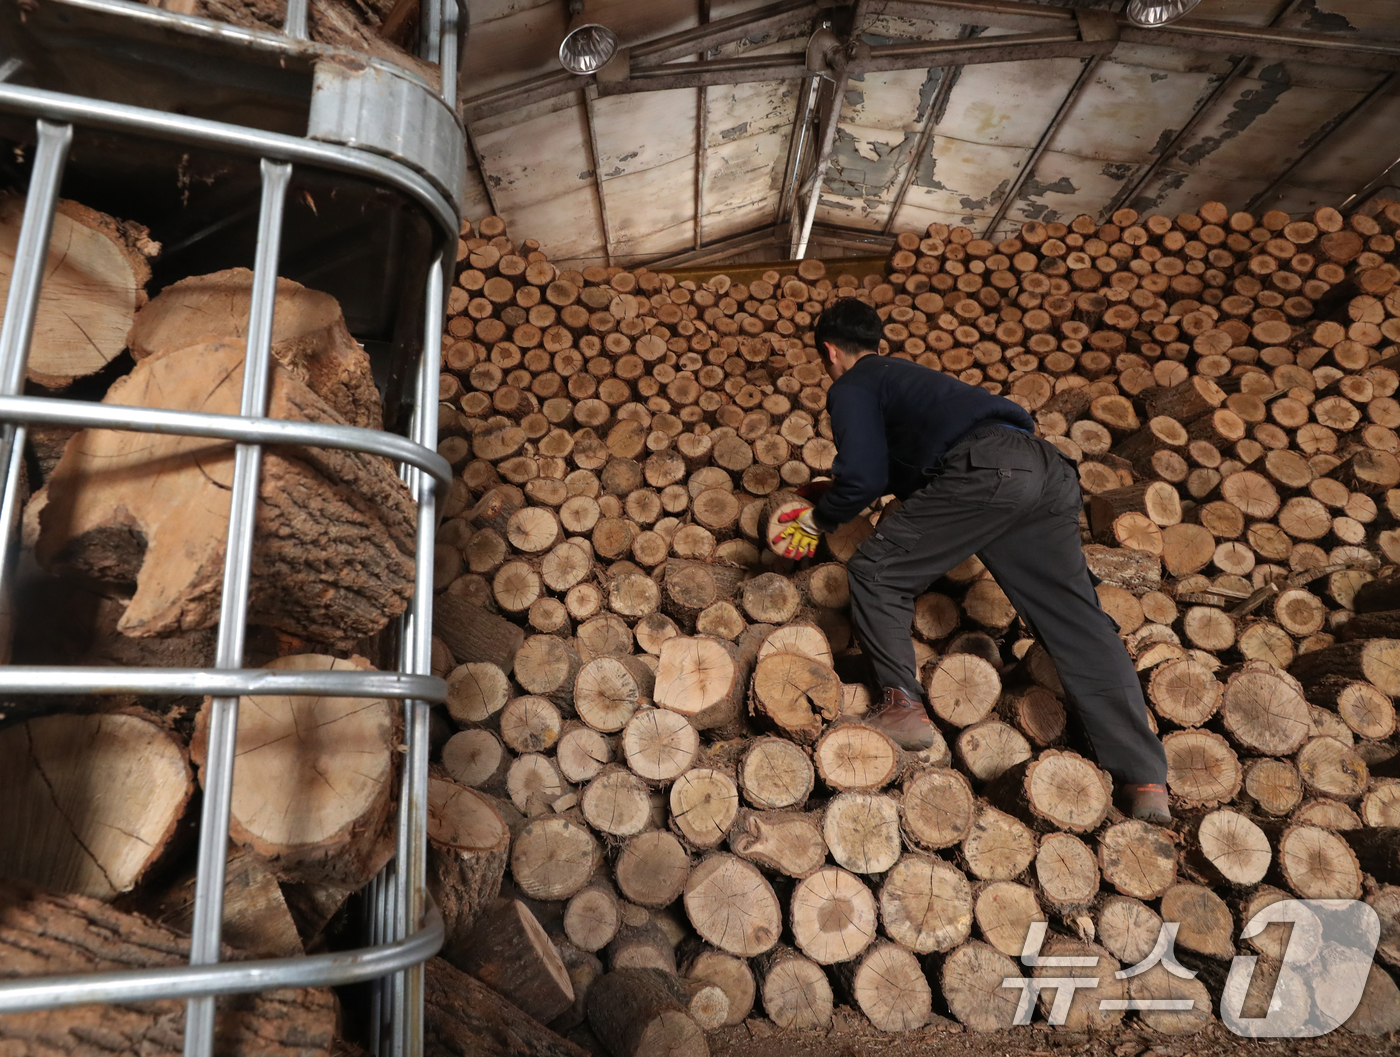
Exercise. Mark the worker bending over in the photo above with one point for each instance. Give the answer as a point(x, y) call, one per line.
point(973, 479)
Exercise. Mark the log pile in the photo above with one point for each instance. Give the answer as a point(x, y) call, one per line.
point(668, 715)
point(655, 809)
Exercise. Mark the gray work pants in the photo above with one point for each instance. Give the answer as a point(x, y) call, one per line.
point(1013, 500)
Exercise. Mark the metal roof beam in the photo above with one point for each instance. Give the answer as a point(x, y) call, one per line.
point(1191, 34)
point(709, 35)
point(1046, 32)
point(1014, 191)
point(1362, 105)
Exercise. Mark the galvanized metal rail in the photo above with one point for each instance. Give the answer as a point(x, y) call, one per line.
point(372, 125)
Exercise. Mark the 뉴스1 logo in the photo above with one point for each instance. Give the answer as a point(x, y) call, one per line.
point(1322, 975)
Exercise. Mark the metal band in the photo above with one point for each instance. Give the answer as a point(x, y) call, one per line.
point(218, 682)
point(58, 106)
point(265, 431)
point(228, 978)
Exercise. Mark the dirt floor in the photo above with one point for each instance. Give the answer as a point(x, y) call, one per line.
point(851, 1036)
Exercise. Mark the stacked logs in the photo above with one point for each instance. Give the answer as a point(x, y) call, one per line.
point(669, 715)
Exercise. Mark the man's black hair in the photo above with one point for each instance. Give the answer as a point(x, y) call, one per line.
point(851, 325)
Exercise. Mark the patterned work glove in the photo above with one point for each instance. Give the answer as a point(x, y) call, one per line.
point(799, 539)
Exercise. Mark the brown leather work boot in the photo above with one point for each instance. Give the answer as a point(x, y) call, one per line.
point(1146, 803)
point(904, 719)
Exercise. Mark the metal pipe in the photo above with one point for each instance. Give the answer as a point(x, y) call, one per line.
point(828, 140)
point(228, 978)
point(1368, 190)
point(294, 25)
point(797, 145)
point(1019, 181)
point(30, 410)
point(207, 925)
point(17, 331)
point(935, 113)
point(1351, 115)
point(1126, 197)
point(415, 658)
point(200, 132)
point(710, 35)
point(589, 95)
point(454, 24)
point(37, 680)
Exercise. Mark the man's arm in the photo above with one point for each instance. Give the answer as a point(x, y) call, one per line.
point(862, 466)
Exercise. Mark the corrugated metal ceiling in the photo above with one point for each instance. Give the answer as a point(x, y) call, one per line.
point(634, 177)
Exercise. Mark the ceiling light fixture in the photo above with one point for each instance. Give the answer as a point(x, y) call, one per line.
point(1153, 13)
point(587, 46)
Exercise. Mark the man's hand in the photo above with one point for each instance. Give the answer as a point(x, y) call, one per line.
point(799, 539)
point(814, 490)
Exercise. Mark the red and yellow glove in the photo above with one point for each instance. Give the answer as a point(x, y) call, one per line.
point(799, 539)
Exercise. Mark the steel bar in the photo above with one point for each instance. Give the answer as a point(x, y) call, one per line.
point(1381, 89)
point(229, 978)
point(1236, 71)
point(710, 35)
point(590, 94)
point(936, 106)
point(797, 146)
point(45, 410)
point(1013, 192)
point(702, 135)
point(207, 925)
point(31, 256)
point(831, 119)
point(1048, 24)
point(214, 682)
point(415, 658)
point(200, 132)
point(455, 17)
point(1368, 190)
point(294, 25)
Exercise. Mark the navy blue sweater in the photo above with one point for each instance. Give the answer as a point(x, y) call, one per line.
point(890, 419)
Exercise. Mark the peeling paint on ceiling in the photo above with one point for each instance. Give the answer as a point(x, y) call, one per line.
point(658, 173)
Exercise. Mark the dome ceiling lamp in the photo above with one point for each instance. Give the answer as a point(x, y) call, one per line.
point(1151, 14)
point(587, 46)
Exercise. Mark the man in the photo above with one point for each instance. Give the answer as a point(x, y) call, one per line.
point(974, 479)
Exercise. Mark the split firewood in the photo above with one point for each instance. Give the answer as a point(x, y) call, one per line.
point(510, 952)
point(463, 1017)
point(256, 915)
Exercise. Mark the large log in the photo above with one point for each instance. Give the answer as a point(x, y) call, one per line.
point(49, 935)
point(334, 531)
point(309, 336)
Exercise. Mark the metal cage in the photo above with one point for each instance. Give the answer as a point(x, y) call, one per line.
point(85, 81)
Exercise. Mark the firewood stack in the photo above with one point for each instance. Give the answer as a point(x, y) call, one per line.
point(667, 715)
